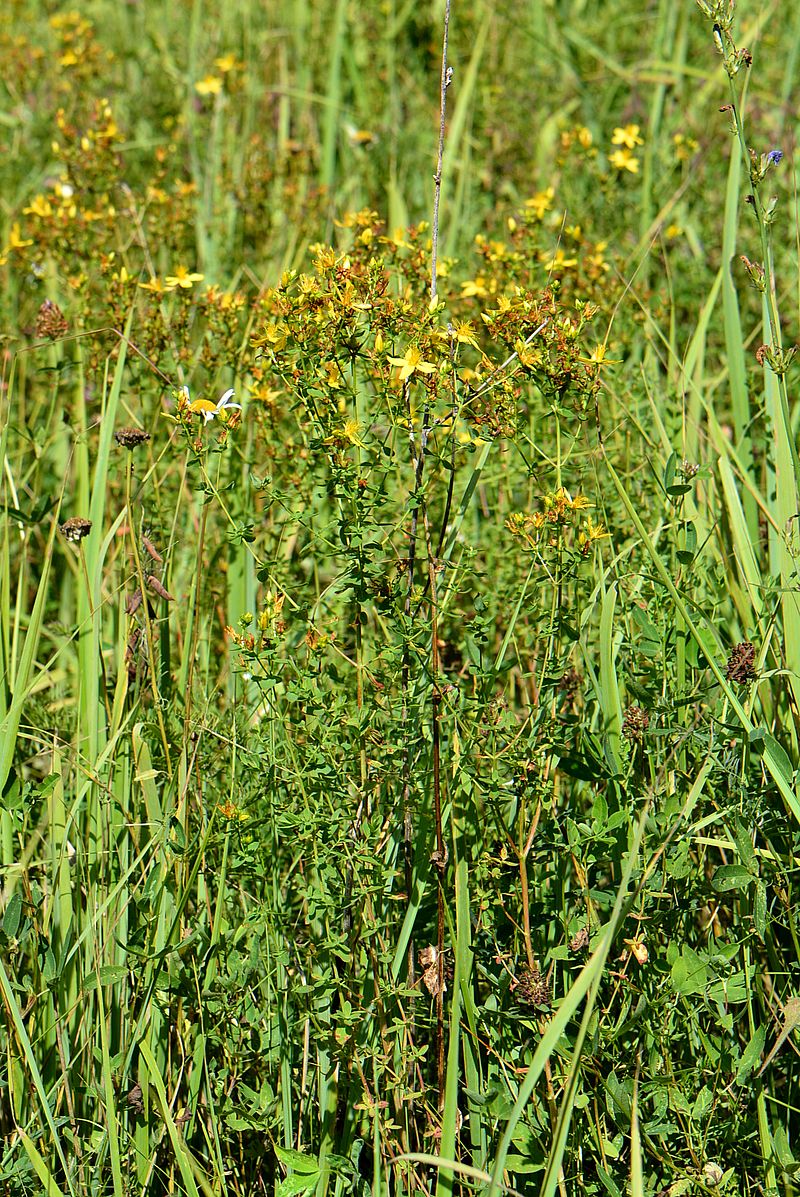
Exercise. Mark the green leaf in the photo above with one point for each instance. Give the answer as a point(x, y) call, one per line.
point(12, 916)
point(297, 1160)
point(751, 1056)
point(108, 974)
point(728, 877)
point(760, 910)
point(297, 1182)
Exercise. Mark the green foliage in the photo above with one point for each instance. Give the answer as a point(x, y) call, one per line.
point(398, 721)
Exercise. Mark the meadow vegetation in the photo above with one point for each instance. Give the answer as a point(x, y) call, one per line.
point(400, 699)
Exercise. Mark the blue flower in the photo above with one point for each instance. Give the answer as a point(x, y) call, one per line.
point(774, 157)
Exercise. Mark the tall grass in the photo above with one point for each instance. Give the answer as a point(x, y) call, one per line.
point(399, 773)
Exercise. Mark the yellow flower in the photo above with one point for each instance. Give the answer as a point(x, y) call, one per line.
point(593, 532)
point(155, 285)
point(464, 333)
point(15, 239)
point(182, 278)
point(598, 357)
point(411, 363)
point(629, 137)
point(210, 86)
point(541, 203)
point(559, 261)
point(225, 63)
point(624, 160)
point(333, 376)
point(39, 206)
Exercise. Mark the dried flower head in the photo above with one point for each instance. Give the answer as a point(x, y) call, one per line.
point(131, 437)
point(50, 321)
point(741, 666)
point(532, 988)
point(76, 528)
point(635, 723)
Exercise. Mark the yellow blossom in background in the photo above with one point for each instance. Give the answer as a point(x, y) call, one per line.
point(360, 137)
point(182, 278)
point(333, 376)
point(558, 261)
point(155, 285)
point(624, 160)
point(598, 357)
point(411, 363)
point(475, 288)
point(541, 203)
point(226, 63)
point(685, 147)
point(627, 136)
point(39, 206)
point(16, 240)
point(210, 86)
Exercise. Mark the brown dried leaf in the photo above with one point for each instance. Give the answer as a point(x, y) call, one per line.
point(159, 589)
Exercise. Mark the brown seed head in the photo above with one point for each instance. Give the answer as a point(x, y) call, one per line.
point(741, 666)
point(635, 723)
point(50, 321)
point(532, 988)
point(131, 437)
point(76, 528)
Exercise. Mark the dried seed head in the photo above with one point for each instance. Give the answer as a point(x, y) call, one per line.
point(635, 723)
point(532, 988)
point(76, 528)
point(131, 437)
point(50, 321)
point(741, 666)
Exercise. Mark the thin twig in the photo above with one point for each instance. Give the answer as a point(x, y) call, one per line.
point(447, 76)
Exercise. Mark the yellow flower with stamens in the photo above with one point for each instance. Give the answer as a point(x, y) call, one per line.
point(624, 160)
point(593, 532)
point(412, 363)
point(182, 278)
point(627, 136)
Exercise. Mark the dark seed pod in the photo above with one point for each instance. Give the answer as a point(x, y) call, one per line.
point(76, 528)
point(129, 438)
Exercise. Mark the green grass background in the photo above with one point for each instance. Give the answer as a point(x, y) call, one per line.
point(443, 713)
